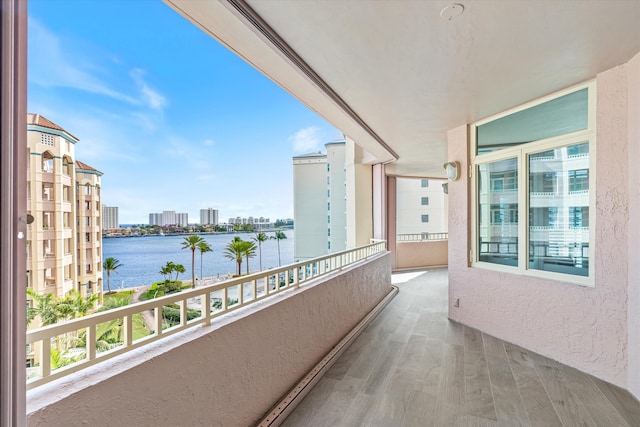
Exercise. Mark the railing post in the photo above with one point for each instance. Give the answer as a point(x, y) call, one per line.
point(157, 314)
point(183, 312)
point(45, 357)
point(241, 293)
point(128, 330)
point(205, 306)
point(91, 342)
point(254, 288)
point(224, 299)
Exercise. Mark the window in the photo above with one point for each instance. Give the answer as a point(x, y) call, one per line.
point(578, 180)
point(579, 216)
point(498, 224)
point(425, 218)
point(328, 193)
point(87, 237)
point(87, 190)
point(328, 232)
point(547, 147)
point(328, 167)
point(87, 221)
point(87, 206)
point(328, 206)
point(424, 183)
point(328, 219)
point(425, 201)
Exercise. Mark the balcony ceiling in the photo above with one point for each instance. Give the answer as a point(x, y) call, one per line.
point(399, 75)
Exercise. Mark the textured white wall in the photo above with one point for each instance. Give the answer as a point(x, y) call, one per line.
point(228, 374)
point(580, 326)
point(633, 315)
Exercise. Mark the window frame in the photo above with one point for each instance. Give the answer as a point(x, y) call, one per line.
point(521, 153)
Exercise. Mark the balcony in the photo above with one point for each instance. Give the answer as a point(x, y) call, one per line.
point(414, 367)
point(252, 350)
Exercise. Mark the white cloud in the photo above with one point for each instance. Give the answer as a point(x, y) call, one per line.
point(53, 62)
point(306, 140)
point(150, 97)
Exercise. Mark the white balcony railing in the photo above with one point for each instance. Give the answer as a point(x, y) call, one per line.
point(422, 237)
point(52, 341)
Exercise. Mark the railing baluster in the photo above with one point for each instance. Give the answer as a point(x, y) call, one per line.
point(91, 342)
point(157, 317)
point(205, 306)
point(45, 358)
point(183, 312)
point(128, 330)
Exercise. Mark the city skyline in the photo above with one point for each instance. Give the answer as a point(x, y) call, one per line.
point(161, 113)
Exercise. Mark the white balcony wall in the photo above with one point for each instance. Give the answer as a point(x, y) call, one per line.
point(227, 374)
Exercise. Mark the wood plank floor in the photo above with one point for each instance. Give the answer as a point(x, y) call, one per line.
point(414, 367)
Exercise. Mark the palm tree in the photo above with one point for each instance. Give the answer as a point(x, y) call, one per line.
point(279, 235)
point(45, 307)
point(203, 247)
point(192, 242)
point(235, 251)
point(179, 268)
point(260, 237)
point(167, 269)
point(110, 264)
point(249, 251)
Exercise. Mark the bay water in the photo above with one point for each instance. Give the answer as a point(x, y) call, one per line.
point(143, 257)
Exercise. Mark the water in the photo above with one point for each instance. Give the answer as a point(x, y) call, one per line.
point(143, 257)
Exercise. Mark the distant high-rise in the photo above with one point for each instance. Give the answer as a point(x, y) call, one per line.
point(208, 216)
point(110, 217)
point(169, 218)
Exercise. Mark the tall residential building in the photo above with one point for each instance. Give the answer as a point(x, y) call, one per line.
point(208, 216)
point(169, 218)
point(421, 206)
point(63, 196)
point(110, 217)
point(182, 219)
point(319, 202)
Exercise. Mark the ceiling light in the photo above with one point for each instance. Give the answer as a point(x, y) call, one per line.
point(452, 11)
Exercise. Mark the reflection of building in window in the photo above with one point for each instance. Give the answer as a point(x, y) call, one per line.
point(543, 182)
point(505, 213)
point(579, 216)
point(579, 180)
point(504, 181)
point(543, 217)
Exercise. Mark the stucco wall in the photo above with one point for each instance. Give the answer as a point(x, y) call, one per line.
point(633, 315)
point(582, 326)
point(228, 374)
point(421, 254)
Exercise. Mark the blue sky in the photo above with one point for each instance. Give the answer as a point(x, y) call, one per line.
point(172, 118)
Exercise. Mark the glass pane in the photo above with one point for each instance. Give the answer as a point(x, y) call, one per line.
point(558, 116)
point(559, 210)
point(498, 212)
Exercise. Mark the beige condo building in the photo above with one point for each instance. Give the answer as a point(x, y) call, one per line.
point(64, 241)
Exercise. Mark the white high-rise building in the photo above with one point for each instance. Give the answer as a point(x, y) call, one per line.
point(319, 199)
point(169, 218)
point(208, 216)
point(155, 219)
point(336, 197)
point(182, 219)
point(110, 217)
point(421, 206)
